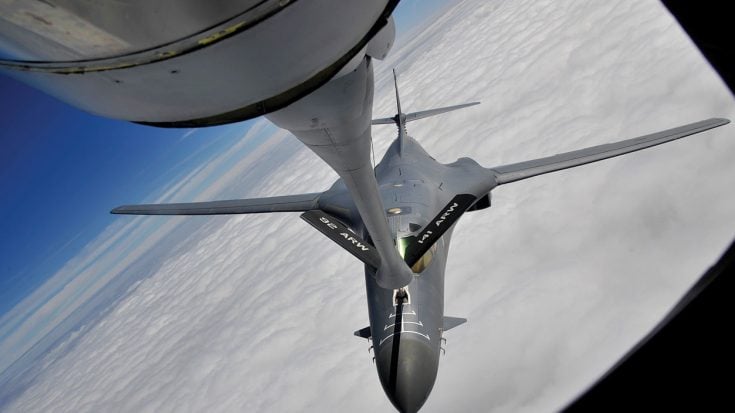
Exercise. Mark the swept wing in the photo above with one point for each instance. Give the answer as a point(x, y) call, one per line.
point(522, 170)
point(288, 203)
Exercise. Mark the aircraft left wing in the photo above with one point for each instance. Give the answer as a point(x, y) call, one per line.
point(433, 112)
point(288, 203)
point(522, 170)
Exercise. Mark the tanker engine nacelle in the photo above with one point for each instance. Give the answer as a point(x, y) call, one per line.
point(187, 63)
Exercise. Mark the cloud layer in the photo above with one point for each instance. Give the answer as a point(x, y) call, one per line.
point(558, 279)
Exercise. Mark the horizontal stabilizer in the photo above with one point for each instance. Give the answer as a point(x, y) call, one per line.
point(522, 170)
point(384, 121)
point(451, 322)
point(364, 332)
point(339, 233)
point(423, 114)
point(288, 203)
point(437, 227)
point(433, 112)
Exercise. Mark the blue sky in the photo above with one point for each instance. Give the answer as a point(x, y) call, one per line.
point(411, 12)
point(61, 171)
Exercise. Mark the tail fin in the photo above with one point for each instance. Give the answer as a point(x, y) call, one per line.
point(398, 98)
point(400, 119)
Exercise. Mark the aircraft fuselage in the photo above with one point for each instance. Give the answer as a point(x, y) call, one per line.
point(406, 325)
point(406, 331)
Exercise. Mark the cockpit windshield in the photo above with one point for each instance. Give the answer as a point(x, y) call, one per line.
point(422, 262)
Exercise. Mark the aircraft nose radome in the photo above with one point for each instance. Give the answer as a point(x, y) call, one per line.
point(407, 369)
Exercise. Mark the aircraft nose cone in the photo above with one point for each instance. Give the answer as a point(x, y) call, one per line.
point(407, 369)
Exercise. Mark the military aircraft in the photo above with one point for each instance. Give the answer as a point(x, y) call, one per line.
point(185, 64)
point(422, 200)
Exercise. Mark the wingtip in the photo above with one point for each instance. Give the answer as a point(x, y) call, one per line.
point(722, 121)
point(120, 210)
point(712, 123)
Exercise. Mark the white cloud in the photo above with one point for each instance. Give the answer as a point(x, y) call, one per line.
point(71, 296)
point(558, 279)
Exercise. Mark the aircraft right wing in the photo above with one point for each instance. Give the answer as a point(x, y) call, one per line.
point(522, 170)
point(288, 203)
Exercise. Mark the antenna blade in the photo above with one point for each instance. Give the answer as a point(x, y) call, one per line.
point(433, 112)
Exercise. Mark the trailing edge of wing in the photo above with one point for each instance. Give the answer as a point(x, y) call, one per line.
point(288, 203)
point(522, 170)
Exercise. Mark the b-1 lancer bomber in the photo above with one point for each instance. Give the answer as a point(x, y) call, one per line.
point(422, 200)
point(307, 66)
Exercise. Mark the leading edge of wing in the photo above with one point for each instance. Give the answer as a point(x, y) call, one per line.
point(527, 169)
point(287, 203)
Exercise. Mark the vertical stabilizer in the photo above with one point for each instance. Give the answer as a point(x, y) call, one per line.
point(400, 118)
point(398, 98)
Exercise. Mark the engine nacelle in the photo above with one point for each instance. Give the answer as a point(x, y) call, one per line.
point(182, 63)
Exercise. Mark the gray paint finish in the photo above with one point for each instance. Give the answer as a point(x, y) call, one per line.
point(381, 213)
